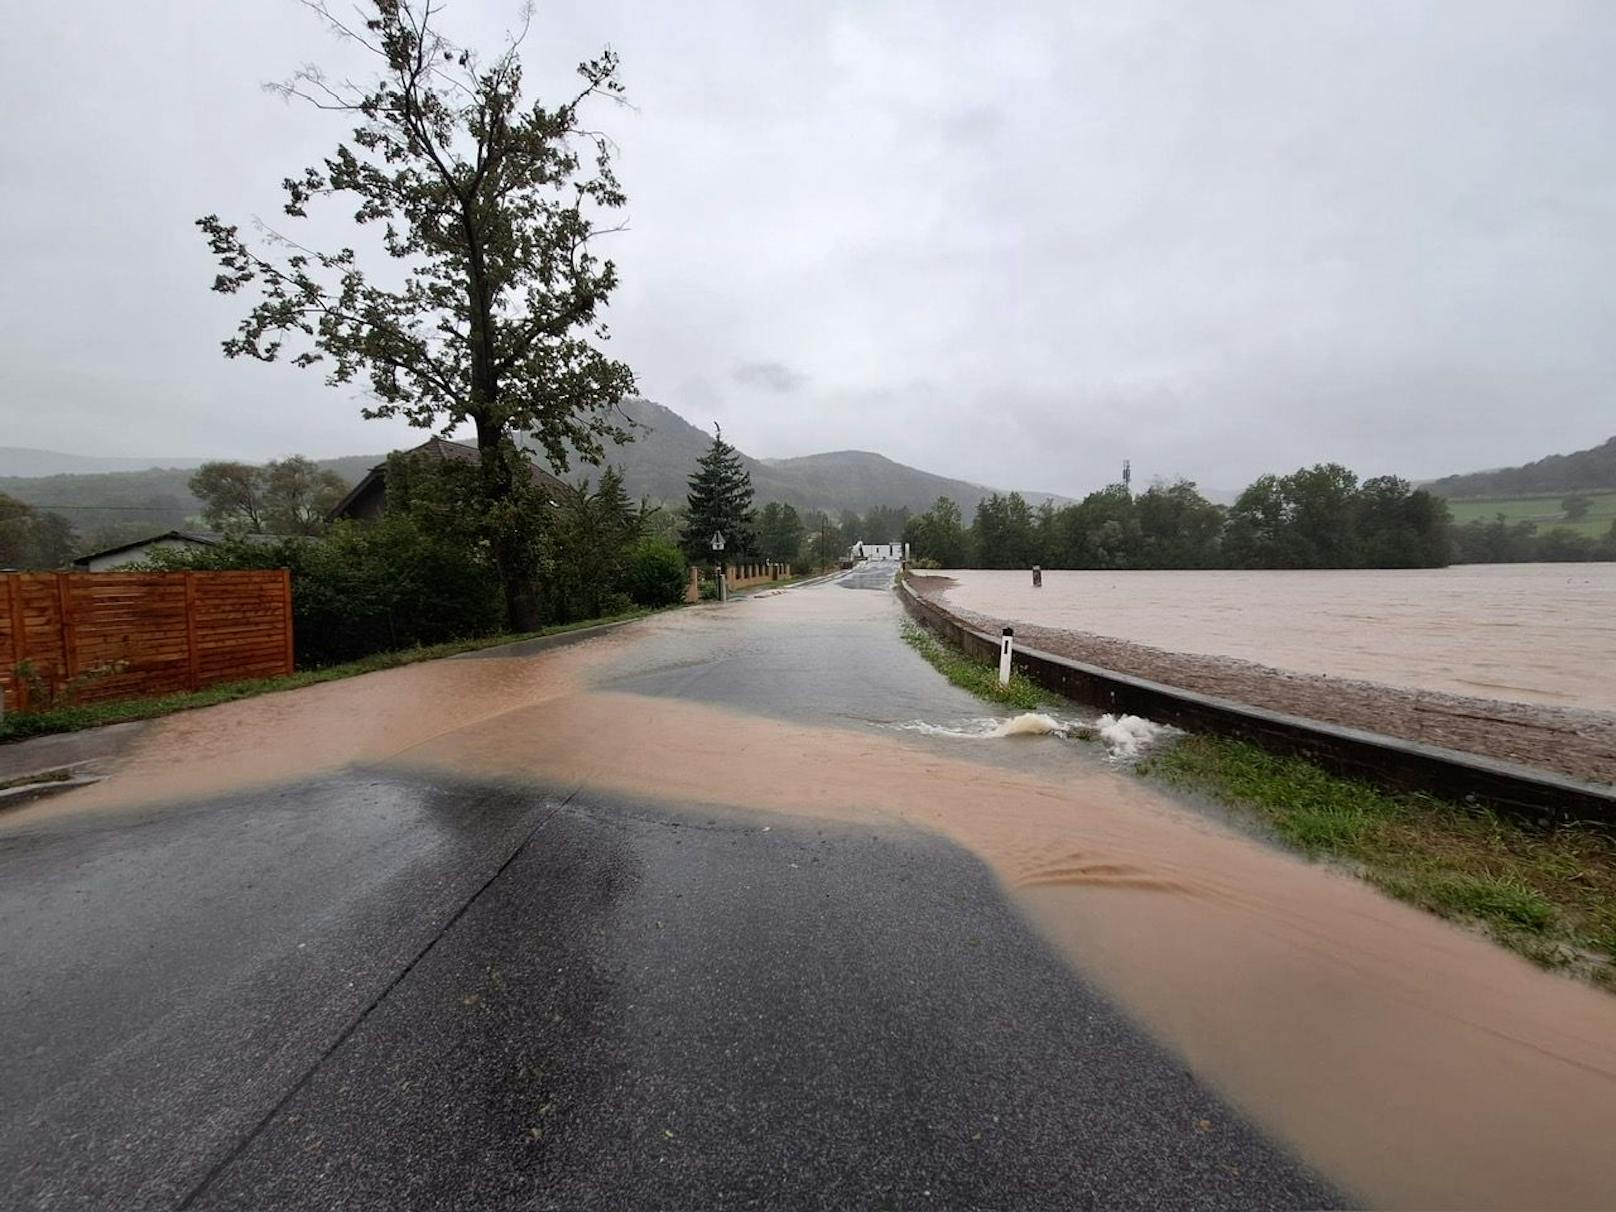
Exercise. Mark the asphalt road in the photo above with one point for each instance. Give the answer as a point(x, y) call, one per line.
point(376, 990)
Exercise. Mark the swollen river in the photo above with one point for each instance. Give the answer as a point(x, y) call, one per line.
point(1534, 633)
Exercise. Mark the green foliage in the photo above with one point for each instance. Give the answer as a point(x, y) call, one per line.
point(938, 535)
point(367, 588)
point(298, 495)
point(719, 502)
point(1003, 534)
point(780, 534)
point(589, 538)
point(1506, 899)
point(1103, 531)
point(231, 495)
point(1576, 506)
point(825, 541)
point(1501, 541)
point(882, 524)
point(1317, 517)
point(657, 573)
point(977, 677)
point(487, 208)
point(284, 496)
point(32, 538)
point(1544, 512)
point(1178, 527)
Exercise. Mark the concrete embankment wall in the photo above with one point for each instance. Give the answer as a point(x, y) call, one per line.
point(1387, 761)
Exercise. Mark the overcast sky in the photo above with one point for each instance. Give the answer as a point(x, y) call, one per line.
point(1014, 243)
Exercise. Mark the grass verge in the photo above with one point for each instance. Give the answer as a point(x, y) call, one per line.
point(980, 679)
point(1546, 892)
point(16, 726)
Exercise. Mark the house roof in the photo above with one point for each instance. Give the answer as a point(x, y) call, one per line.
point(202, 538)
point(438, 450)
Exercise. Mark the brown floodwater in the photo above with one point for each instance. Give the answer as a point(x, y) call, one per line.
point(1412, 1062)
point(1536, 633)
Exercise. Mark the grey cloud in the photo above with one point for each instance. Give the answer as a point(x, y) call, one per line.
point(771, 376)
point(1215, 239)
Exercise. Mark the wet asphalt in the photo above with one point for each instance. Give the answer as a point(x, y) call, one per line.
point(371, 990)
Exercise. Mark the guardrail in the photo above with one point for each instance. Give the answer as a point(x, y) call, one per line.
point(1390, 762)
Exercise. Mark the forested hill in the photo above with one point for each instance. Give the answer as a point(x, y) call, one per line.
point(1580, 471)
point(657, 464)
point(108, 507)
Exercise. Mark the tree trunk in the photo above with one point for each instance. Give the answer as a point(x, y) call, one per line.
point(521, 598)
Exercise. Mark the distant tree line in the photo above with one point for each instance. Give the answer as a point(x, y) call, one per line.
point(1316, 517)
point(32, 538)
point(1501, 541)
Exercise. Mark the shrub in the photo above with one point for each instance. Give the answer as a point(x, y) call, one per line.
point(368, 588)
point(656, 573)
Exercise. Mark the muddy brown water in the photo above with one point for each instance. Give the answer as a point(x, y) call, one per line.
point(1534, 633)
point(1412, 1062)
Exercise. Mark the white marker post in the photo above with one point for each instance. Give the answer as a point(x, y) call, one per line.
point(1005, 645)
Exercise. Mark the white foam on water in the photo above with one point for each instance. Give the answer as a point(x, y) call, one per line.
point(1127, 736)
point(1029, 723)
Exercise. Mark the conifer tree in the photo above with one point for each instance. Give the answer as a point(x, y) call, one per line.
point(719, 502)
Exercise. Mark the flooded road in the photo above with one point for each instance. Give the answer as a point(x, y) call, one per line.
point(1535, 633)
point(1411, 1063)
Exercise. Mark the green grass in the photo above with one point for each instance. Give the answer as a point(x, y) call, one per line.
point(1548, 893)
point(18, 725)
point(980, 679)
point(1544, 510)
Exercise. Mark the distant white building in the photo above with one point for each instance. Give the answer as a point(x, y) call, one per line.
point(878, 551)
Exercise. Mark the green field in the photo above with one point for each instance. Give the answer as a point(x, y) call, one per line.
point(1544, 510)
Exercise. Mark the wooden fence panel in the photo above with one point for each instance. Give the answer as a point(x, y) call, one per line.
point(96, 636)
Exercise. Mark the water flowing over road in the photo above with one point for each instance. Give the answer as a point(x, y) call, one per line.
point(692, 914)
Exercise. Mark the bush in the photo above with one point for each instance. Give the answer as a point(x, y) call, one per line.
point(368, 588)
point(656, 573)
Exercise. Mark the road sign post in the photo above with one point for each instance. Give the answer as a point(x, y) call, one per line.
point(718, 565)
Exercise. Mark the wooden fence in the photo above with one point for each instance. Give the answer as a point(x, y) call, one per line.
point(93, 636)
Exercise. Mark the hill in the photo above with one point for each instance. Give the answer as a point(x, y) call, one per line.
point(26, 461)
point(1581, 471)
point(108, 507)
point(111, 504)
point(657, 464)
